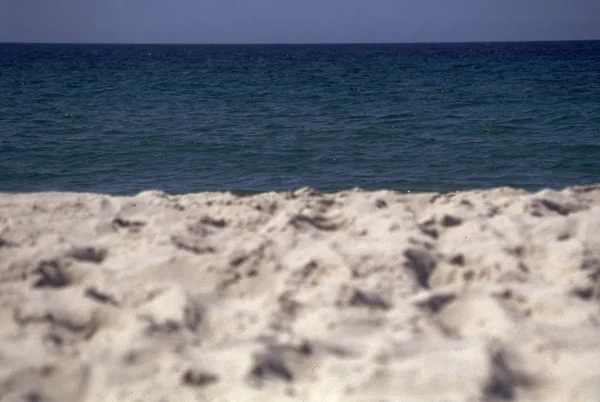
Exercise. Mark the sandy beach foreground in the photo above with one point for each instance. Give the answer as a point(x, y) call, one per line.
point(353, 296)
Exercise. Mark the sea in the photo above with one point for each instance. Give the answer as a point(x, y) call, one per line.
point(120, 119)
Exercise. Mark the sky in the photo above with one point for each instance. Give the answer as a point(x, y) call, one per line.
point(296, 21)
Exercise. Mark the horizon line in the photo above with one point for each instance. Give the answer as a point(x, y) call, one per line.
point(293, 43)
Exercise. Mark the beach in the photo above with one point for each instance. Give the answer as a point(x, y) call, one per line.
point(357, 295)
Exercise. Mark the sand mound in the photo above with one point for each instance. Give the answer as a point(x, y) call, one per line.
point(353, 296)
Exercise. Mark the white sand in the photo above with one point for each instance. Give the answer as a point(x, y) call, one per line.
point(353, 296)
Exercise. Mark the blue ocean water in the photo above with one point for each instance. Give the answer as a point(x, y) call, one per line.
point(124, 118)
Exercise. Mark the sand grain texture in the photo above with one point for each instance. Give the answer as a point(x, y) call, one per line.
point(354, 296)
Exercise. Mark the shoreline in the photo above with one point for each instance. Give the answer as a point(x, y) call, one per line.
point(250, 193)
point(356, 295)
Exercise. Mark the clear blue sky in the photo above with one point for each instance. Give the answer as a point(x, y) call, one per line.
point(293, 21)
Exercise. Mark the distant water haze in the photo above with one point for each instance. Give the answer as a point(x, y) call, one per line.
point(296, 21)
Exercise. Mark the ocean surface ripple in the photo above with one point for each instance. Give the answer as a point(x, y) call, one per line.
point(446, 117)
